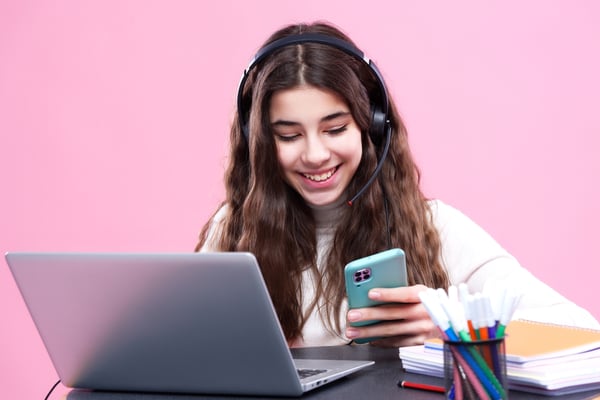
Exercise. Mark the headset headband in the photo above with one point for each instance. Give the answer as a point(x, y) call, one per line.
point(339, 44)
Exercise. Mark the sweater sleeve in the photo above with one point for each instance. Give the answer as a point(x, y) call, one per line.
point(472, 256)
point(215, 230)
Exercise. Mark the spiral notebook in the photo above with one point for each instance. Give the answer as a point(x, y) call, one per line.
point(529, 341)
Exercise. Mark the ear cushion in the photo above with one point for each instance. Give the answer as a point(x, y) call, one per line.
point(377, 128)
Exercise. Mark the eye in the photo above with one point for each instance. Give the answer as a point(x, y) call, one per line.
point(337, 130)
point(287, 138)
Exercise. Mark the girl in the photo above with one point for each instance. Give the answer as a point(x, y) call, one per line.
point(320, 173)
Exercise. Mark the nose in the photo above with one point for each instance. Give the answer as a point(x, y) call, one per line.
point(316, 151)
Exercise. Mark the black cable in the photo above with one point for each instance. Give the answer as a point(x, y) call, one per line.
point(387, 217)
point(378, 167)
point(52, 390)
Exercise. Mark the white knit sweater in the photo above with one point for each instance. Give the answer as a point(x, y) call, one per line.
point(469, 255)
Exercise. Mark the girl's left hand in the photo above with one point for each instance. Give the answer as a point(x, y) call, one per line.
point(405, 322)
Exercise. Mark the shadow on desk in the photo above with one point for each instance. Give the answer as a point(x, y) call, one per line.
point(377, 382)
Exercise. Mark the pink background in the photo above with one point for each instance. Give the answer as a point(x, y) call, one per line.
point(114, 119)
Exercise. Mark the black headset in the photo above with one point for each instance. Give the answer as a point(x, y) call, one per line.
point(380, 127)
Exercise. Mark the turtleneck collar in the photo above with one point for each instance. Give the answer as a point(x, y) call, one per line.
point(327, 216)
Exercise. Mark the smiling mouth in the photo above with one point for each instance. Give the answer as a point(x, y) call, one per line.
point(321, 177)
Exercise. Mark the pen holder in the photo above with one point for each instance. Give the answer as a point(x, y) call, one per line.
point(475, 370)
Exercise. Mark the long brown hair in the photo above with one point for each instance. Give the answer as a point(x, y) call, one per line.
point(268, 218)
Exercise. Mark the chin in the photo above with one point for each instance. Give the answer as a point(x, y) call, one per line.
point(323, 201)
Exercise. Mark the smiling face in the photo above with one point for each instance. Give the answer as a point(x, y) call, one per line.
point(318, 142)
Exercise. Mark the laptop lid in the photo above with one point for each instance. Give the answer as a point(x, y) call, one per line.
point(177, 323)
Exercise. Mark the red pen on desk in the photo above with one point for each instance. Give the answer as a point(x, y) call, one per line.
point(421, 386)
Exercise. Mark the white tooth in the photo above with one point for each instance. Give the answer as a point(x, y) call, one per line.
point(319, 178)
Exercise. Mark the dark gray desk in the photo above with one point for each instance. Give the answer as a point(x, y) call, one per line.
point(377, 382)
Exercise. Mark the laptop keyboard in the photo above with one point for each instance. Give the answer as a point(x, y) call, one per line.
point(306, 372)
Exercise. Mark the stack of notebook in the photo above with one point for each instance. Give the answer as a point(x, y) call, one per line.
point(541, 358)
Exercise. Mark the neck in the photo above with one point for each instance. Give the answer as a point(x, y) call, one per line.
point(327, 215)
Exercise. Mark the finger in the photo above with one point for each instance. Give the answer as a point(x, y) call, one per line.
point(388, 312)
point(418, 329)
point(405, 294)
point(421, 327)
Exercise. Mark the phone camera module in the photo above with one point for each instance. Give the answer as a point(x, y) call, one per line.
point(362, 275)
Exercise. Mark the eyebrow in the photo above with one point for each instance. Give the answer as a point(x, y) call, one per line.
point(282, 122)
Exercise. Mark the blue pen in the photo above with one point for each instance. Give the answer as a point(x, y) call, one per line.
point(437, 316)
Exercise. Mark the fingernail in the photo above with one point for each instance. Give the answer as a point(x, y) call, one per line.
point(374, 294)
point(351, 333)
point(354, 315)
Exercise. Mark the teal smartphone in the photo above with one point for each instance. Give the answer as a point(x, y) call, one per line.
point(386, 269)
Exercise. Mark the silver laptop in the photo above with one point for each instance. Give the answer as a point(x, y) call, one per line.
point(164, 323)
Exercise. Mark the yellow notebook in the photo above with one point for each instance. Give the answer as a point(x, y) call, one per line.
point(529, 341)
